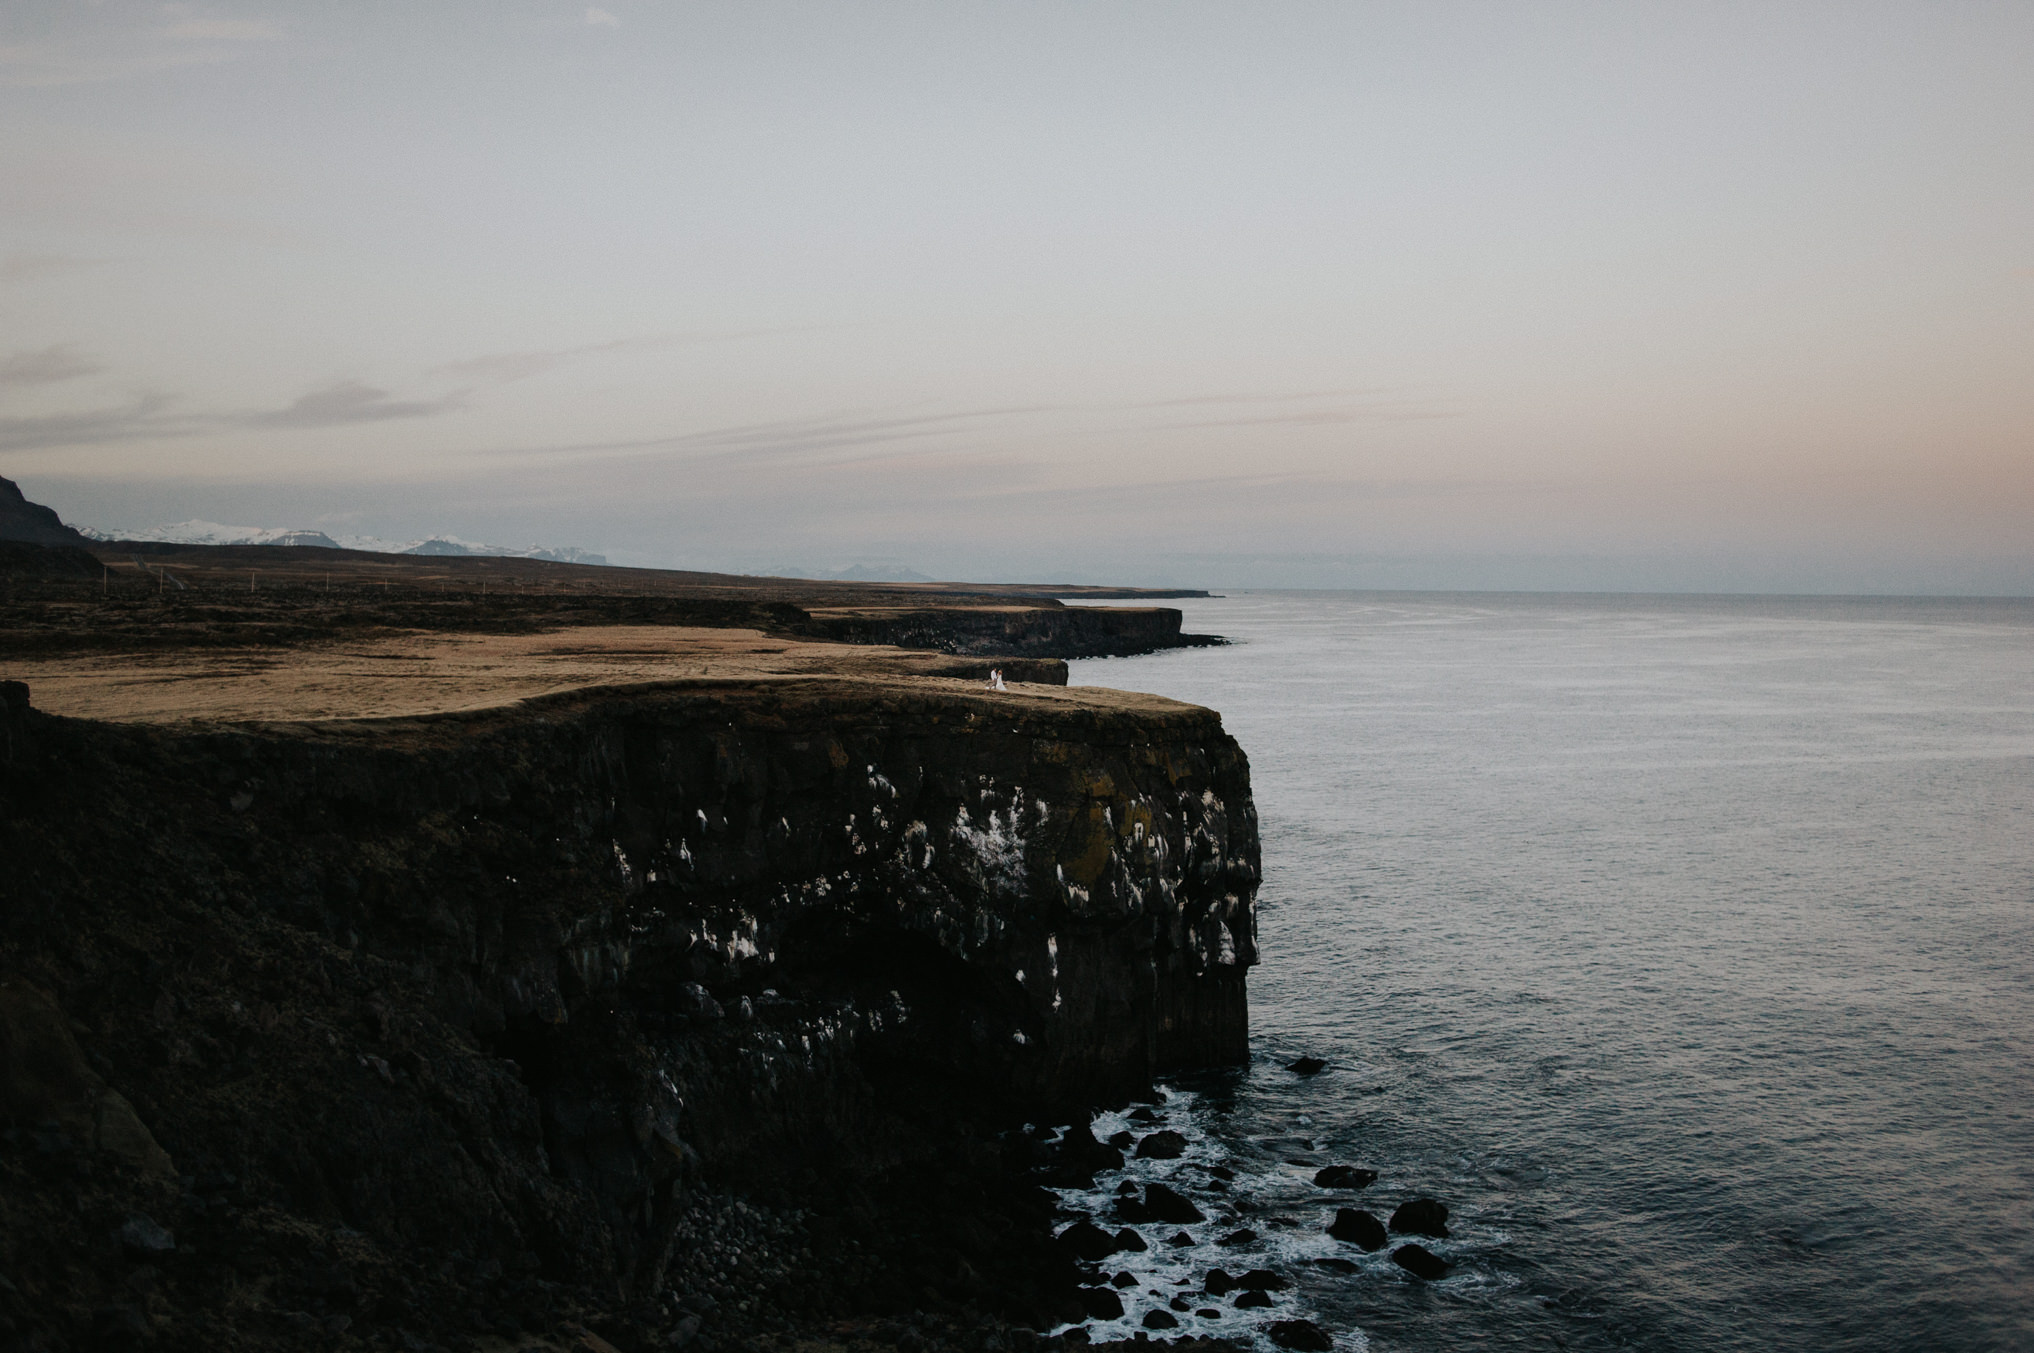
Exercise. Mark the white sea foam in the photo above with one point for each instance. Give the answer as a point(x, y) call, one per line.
point(1164, 1272)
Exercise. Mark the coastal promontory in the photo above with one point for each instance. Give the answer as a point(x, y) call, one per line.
point(515, 958)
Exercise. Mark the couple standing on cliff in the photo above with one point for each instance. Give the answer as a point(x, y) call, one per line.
point(995, 682)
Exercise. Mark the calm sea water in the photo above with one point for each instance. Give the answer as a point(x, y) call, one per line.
point(1683, 946)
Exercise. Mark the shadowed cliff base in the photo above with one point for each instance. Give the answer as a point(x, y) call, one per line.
point(581, 969)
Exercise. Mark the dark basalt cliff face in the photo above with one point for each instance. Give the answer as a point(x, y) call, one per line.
point(1055, 631)
point(473, 1011)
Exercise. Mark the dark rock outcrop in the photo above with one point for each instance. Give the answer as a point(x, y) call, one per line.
point(1165, 1144)
point(1421, 1217)
point(1088, 1242)
point(1160, 1203)
point(1302, 1336)
point(1027, 630)
point(1357, 1227)
point(1421, 1262)
point(33, 523)
point(1344, 1177)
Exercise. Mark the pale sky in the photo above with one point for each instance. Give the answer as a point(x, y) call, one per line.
point(1611, 295)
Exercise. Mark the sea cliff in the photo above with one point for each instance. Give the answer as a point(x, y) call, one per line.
point(444, 1026)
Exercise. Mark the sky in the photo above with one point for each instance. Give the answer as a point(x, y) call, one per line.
point(1614, 296)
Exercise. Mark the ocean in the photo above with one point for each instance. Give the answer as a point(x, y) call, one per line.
point(1682, 946)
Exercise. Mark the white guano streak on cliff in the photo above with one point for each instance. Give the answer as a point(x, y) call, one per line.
point(998, 845)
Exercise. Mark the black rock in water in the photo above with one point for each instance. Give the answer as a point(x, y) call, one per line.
point(1141, 1115)
point(1181, 1241)
point(1421, 1262)
point(1306, 1066)
point(1160, 1320)
point(1253, 1299)
point(1087, 1241)
point(1163, 1204)
point(1218, 1283)
point(1123, 1140)
point(1302, 1336)
point(1101, 1304)
point(1421, 1217)
point(1357, 1227)
point(1080, 1148)
point(1344, 1177)
point(1129, 1242)
point(1338, 1265)
point(1221, 1172)
point(1208, 1313)
point(1165, 1144)
point(1263, 1280)
point(1124, 1279)
point(1236, 1239)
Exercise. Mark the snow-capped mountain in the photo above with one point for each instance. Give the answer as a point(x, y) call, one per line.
point(217, 533)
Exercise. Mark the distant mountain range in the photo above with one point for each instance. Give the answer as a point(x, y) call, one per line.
point(861, 571)
point(216, 533)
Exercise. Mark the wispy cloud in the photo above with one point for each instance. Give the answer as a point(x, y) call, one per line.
point(190, 26)
point(186, 36)
point(1257, 397)
point(352, 402)
point(1378, 411)
point(44, 366)
point(792, 437)
point(499, 368)
point(809, 438)
point(144, 416)
point(596, 17)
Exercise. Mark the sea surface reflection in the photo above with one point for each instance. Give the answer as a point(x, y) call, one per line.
point(1684, 946)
